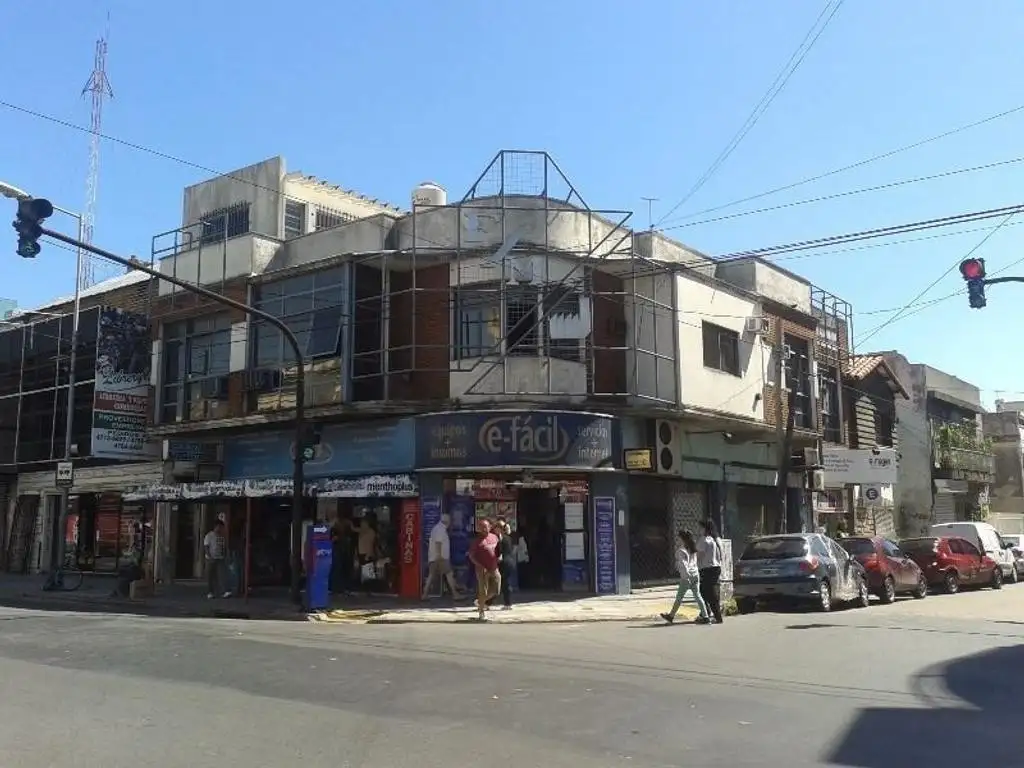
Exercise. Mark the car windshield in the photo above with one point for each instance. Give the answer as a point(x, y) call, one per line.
point(775, 549)
point(858, 546)
point(918, 546)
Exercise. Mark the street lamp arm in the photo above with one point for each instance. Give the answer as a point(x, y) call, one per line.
point(298, 479)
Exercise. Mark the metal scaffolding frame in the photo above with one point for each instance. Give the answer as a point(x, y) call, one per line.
point(532, 273)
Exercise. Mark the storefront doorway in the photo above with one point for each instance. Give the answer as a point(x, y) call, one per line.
point(541, 521)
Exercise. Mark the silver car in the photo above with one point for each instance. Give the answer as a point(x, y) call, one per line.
point(1015, 543)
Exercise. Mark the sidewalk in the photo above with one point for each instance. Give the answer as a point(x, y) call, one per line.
point(642, 605)
point(186, 600)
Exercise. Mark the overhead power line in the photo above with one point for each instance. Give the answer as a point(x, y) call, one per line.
point(783, 77)
point(858, 164)
point(851, 192)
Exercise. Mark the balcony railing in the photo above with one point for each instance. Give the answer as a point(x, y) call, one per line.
point(965, 464)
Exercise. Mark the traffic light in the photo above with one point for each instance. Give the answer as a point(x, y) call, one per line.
point(310, 441)
point(973, 271)
point(31, 214)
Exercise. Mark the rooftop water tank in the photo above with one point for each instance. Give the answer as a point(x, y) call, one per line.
point(429, 194)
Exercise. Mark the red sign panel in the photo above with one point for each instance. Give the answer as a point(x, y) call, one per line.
point(409, 549)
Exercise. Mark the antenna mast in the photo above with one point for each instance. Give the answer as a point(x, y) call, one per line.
point(98, 88)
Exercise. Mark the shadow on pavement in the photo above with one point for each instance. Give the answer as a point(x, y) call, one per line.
point(980, 729)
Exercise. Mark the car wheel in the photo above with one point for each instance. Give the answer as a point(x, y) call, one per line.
point(888, 593)
point(921, 591)
point(745, 605)
point(863, 596)
point(824, 596)
point(951, 582)
point(997, 578)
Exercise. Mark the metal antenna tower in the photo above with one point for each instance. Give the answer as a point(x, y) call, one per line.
point(98, 88)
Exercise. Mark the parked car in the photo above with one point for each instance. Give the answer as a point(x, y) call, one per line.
point(800, 567)
point(986, 538)
point(1015, 543)
point(889, 569)
point(950, 562)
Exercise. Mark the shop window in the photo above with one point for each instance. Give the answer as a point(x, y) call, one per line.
point(196, 363)
point(721, 348)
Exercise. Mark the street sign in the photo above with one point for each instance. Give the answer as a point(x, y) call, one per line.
point(65, 475)
point(872, 494)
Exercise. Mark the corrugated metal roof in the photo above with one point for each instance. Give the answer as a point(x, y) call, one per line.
point(121, 281)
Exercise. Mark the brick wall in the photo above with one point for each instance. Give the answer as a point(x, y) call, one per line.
point(137, 297)
point(420, 321)
point(609, 330)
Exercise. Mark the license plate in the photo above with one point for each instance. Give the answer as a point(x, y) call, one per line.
point(769, 572)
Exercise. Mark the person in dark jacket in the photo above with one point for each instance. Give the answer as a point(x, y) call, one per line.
point(506, 560)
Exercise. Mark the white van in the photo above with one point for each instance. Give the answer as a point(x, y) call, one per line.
point(986, 538)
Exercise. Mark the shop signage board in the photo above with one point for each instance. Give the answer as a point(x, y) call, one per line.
point(65, 474)
point(120, 409)
point(639, 459)
point(859, 466)
point(518, 439)
point(606, 577)
point(368, 486)
point(344, 449)
point(409, 569)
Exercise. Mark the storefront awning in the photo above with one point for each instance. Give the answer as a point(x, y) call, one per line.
point(371, 486)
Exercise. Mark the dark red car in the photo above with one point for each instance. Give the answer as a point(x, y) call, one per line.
point(890, 570)
point(950, 562)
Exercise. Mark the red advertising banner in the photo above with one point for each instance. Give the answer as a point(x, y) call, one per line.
point(409, 549)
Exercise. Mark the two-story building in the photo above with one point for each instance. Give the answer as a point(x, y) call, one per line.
point(1004, 431)
point(110, 448)
point(946, 464)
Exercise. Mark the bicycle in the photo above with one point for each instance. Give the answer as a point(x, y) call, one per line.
point(67, 578)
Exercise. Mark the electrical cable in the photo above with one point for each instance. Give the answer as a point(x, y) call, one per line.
point(849, 193)
point(858, 164)
point(781, 79)
point(901, 313)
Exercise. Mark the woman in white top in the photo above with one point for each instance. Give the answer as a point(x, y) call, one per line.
point(709, 563)
point(689, 578)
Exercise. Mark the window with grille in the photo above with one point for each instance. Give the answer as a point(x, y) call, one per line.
point(294, 219)
point(225, 223)
point(721, 348)
point(798, 380)
point(478, 325)
point(562, 302)
point(521, 332)
point(326, 218)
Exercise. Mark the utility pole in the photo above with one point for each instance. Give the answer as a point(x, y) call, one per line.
point(30, 215)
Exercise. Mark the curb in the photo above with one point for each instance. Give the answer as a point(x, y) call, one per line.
point(139, 608)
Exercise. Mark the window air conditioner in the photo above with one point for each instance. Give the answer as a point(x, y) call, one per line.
point(756, 325)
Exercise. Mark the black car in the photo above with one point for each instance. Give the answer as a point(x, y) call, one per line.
point(800, 567)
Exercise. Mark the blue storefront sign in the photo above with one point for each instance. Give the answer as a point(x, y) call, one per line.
point(349, 449)
point(604, 545)
point(517, 439)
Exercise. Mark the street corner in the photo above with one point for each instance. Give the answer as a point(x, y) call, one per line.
point(342, 616)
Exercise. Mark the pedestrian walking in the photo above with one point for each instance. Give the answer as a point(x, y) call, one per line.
point(215, 548)
point(689, 579)
point(506, 561)
point(709, 565)
point(483, 554)
point(439, 558)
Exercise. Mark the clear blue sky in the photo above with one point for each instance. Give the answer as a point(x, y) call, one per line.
point(632, 99)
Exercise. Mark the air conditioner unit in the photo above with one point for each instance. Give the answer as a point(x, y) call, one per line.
point(818, 480)
point(756, 325)
point(666, 448)
point(811, 458)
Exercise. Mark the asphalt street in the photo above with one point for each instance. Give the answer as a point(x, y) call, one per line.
point(935, 682)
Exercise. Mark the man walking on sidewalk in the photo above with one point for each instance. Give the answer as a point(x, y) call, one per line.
point(484, 556)
point(215, 546)
point(439, 558)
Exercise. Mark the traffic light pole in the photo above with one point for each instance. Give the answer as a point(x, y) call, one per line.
point(994, 280)
point(298, 475)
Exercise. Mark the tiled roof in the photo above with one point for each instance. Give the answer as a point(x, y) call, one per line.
point(862, 366)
